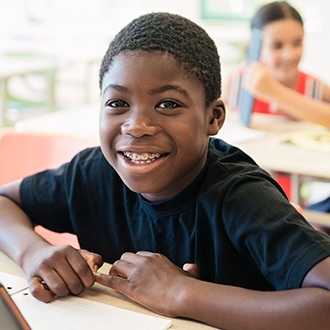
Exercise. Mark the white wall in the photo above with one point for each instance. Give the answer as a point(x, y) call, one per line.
point(94, 20)
point(317, 41)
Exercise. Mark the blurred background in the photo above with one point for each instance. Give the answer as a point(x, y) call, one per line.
point(50, 50)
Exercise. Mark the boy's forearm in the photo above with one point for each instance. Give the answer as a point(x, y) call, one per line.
point(236, 308)
point(16, 231)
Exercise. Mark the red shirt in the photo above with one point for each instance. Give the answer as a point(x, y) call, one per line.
point(305, 85)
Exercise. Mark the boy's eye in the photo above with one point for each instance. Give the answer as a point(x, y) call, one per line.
point(117, 104)
point(168, 104)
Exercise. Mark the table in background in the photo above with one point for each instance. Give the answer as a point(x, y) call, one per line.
point(301, 163)
point(82, 121)
point(14, 67)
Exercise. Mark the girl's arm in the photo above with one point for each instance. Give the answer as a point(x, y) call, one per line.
point(259, 81)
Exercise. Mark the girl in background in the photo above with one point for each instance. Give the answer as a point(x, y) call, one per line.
point(276, 81)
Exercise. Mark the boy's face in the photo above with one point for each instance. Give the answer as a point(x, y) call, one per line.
point(283, 48)
point(154, 125)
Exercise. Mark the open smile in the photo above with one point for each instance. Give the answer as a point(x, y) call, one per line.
point(142, 158)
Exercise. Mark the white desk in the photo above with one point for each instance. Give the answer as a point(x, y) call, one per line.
point(82, 122)
point(108, 296)
point(276, 156)
point(11, 67)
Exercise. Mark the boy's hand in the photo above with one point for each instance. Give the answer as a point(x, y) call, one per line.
point(60, 270)
point(193, 269)
point(149, 279)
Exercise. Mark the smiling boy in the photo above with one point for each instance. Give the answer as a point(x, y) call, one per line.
point(193, 227)
point(146, 109)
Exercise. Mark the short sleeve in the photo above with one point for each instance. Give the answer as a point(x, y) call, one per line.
point(268, 230)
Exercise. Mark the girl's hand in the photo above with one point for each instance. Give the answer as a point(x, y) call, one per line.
point(60, 270)
point(151, 280)
point(259, 81)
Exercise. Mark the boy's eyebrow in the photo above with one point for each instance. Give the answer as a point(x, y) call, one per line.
point(158, 90)
point(165, 88)
point(119, 88)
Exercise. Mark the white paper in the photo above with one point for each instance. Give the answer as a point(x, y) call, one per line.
point(313, 138)
point(13, 283)
point(77, 313)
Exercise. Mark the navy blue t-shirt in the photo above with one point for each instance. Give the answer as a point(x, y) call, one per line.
point(233, 220)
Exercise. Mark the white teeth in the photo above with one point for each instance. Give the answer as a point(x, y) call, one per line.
point(141, 158)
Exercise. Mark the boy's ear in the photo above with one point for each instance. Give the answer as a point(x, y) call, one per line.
point(217, 117)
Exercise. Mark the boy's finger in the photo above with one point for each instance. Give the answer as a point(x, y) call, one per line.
point(193, 269)
point(40, 290)
point(77, 273)
point(55, 283)
point(94, 260)
point(114, 282)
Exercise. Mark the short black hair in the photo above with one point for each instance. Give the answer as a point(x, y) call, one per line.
point(187, 42)
point(274, 11)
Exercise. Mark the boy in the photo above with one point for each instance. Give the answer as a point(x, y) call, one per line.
point(193, 226)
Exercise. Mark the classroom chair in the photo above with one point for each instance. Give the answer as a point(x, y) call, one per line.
point(25, 153)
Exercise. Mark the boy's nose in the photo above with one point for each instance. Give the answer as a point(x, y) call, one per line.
point(139, 125)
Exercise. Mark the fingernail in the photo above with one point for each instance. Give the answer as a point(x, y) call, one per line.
point(45, 285)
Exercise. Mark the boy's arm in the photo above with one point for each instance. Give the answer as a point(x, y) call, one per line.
point(16, 230)
point(51, 270)
point(153, 281)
